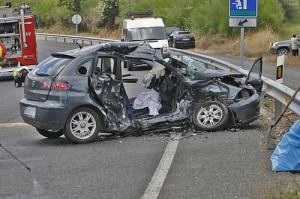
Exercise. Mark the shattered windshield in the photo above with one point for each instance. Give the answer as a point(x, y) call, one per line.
point(192, 66)
point(147, 33)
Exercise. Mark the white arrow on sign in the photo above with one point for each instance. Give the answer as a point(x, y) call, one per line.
point(243, 22)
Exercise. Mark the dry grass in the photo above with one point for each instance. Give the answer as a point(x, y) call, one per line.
point(268, 117)
point(256, 45)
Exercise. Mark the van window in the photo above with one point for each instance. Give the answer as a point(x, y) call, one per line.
point(146, 33)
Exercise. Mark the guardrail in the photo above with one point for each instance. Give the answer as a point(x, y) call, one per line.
point(278, 91)
point(72, 39)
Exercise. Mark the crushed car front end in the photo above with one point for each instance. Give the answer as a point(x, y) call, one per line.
point(246, 110)
point(243, 102)
point(220, 98)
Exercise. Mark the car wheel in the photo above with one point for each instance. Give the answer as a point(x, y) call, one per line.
point(210, 116)
point(50, 134)
point(82, 125)
point(282, 51)
point(129, 66)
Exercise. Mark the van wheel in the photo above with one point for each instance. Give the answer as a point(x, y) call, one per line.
point(82, 126)
point(210, 116)
point(129, 66)
point(50, 134)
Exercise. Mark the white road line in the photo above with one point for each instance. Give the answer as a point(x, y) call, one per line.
point(162, 170)
point(17, 124)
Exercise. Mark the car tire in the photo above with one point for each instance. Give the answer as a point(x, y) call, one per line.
point(82, 125)
point(283, 51)
point(50, 134)
point(129, 66)
point(210, 116)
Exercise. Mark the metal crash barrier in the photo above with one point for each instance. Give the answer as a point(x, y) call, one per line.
point(274, 89)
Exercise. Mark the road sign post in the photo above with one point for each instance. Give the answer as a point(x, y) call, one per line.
point(279, 79)
point(76, 19)
point(243, 14)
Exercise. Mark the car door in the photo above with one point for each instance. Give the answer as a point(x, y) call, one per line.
point(254, 75)
point(109, 93)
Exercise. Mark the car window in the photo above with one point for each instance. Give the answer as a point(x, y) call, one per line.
point(83, 67)
point(256, 71)
point(51, 66)
point(104, 65)
point(184, 33)
point(139, 34)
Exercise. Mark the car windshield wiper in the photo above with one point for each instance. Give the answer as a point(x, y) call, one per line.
point(42, 74)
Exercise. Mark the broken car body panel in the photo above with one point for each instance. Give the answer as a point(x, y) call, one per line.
point(81, 91)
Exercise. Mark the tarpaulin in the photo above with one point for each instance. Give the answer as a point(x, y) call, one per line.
point(286, 156)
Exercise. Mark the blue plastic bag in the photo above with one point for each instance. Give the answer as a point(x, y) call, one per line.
point(286, 156)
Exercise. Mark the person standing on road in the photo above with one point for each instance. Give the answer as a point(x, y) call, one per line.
point(295, 45)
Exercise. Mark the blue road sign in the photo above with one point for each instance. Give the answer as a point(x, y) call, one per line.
point(242, 8)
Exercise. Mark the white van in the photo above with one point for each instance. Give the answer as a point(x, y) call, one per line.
point(150, 29)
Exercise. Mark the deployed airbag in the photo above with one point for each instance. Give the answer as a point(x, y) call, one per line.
point(149, 99)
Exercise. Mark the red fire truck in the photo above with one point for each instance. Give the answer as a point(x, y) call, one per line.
point(17, 34)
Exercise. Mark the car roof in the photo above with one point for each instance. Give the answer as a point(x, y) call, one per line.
point(169, 30)
point(120, 47)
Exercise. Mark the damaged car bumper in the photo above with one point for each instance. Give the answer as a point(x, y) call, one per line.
point(44, 115)
point(246, 110)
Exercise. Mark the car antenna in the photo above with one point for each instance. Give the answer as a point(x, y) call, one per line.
point(74, 40)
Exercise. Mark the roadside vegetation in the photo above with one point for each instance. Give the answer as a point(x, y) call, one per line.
point(207, 19)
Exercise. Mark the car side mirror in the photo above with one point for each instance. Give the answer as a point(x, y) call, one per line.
point(122, 39)
point(171, 38)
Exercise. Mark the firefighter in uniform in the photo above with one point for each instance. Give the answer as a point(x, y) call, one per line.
point(19, 75)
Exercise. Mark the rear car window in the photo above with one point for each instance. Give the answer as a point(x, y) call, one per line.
point(51, 66)
point(184, 33)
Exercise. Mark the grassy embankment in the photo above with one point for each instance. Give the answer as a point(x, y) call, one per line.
point(256, 43)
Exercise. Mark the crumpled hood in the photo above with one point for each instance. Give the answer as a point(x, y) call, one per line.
point(210, 74)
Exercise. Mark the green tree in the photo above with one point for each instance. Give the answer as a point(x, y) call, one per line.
point(109, 10)
point(72, 5)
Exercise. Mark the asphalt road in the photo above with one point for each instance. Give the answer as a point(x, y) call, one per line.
point(228, 164)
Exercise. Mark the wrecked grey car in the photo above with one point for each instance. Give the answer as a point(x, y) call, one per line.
point(81, 92)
